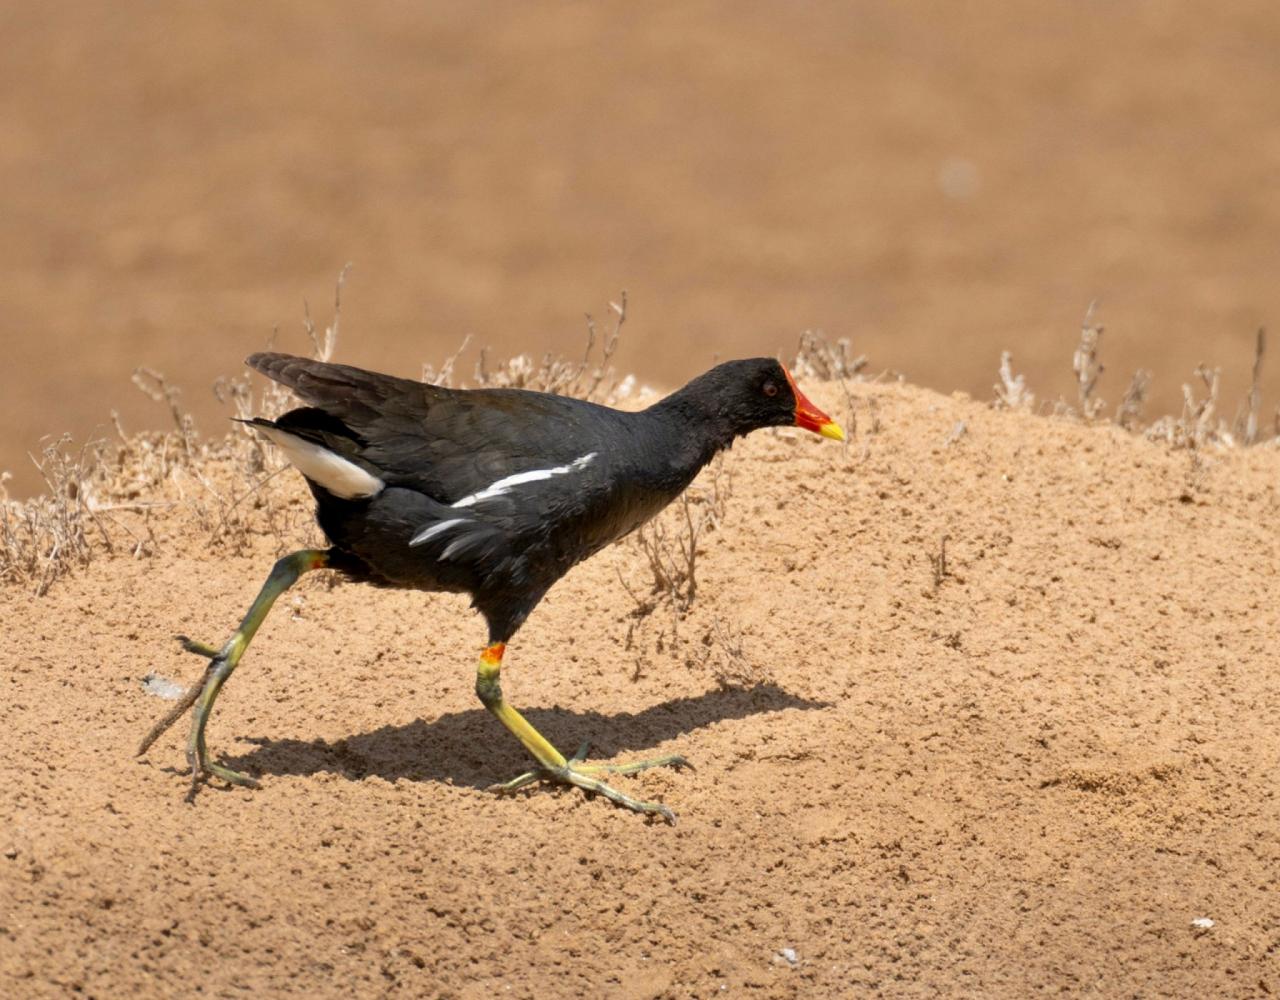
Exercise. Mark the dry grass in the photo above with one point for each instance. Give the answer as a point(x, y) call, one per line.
point(49, 535)
point(1011, 391)
point(1247, 429)
point(1088, 367)
point(730, 665)
point(669, 544)
point(1129, 412)
point(104, 496)
point(591, 377)
point(1199, 426)
point(938, 564)
point(666, 554)
point(818, 358)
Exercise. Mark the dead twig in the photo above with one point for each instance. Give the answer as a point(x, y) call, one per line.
point(1087, 367)
point(1011, 391)
point(938, 563)
point(323, 345)
point(1129, 412)
point(669, 543)
point(1247, 429)
point(443, 376)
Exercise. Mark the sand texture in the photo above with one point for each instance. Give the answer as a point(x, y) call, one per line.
point(1025, 772)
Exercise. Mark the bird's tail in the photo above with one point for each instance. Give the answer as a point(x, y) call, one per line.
point(317, 453)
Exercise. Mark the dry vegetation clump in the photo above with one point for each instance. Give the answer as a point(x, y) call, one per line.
point(665, 554)
point(669, 544)
point(730, 665)
point(107, 495)
point(1011, 391)
point(1088, 367)
point(48, 535)
point(1200, 425)
point(590, 377)
point(1129, 412)
point(818, 358)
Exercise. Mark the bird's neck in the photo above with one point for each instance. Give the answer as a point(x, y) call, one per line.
point(700, 427)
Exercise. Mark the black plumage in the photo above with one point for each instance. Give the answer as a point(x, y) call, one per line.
point(433, 446)
point(496, 493)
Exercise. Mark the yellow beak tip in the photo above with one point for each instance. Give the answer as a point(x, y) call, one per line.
point(832, 430)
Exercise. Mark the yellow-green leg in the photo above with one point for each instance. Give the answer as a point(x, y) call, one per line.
point(552, 764)
point(222, 662)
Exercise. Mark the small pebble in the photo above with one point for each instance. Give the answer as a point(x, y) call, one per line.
point(1202, 923)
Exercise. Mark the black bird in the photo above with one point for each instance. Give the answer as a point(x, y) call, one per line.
point(494, 493)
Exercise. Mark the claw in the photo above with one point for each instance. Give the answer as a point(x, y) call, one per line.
point(679, 762)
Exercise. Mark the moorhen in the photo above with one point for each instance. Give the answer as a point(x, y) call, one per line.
point(494, 493)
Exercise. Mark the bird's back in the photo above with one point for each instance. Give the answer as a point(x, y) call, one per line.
point(445, 443)
point(493, 492)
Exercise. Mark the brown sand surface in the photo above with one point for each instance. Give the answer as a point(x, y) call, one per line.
point(937, 181)
point(1027, 776)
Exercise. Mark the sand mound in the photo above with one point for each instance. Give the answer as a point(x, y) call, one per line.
point(1025, 768)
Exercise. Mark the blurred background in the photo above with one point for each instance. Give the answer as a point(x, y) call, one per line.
point(936, 181)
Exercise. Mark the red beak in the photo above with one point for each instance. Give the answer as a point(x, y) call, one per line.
point(810, 417)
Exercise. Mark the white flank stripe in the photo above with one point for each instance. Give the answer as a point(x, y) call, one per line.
point(453, 547)
point(501, 487)
point(505, 485)
point(337, 475)
point(436, 529)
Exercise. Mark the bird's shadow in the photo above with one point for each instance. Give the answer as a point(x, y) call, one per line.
point(471, 748)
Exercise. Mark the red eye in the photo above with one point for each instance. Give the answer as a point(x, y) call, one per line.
point(770, 389)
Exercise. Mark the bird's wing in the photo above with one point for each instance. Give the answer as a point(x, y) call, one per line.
point(550, 515)
point(446, 443)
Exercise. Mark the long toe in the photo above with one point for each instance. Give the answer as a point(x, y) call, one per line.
point(518, 782)
point(572, 774)
point(202, 770)
point(583, 776)
point(230, 776)
point(674, 761)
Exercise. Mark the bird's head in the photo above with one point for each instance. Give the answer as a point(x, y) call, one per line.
point(760, 392)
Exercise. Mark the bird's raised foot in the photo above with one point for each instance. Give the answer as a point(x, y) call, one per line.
point(221, 663)
point(580, 774)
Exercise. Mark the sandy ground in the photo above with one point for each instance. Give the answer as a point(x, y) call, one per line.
point(936, 181)
point(1027, 775)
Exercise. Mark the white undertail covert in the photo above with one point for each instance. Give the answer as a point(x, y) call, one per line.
point(341, 477)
